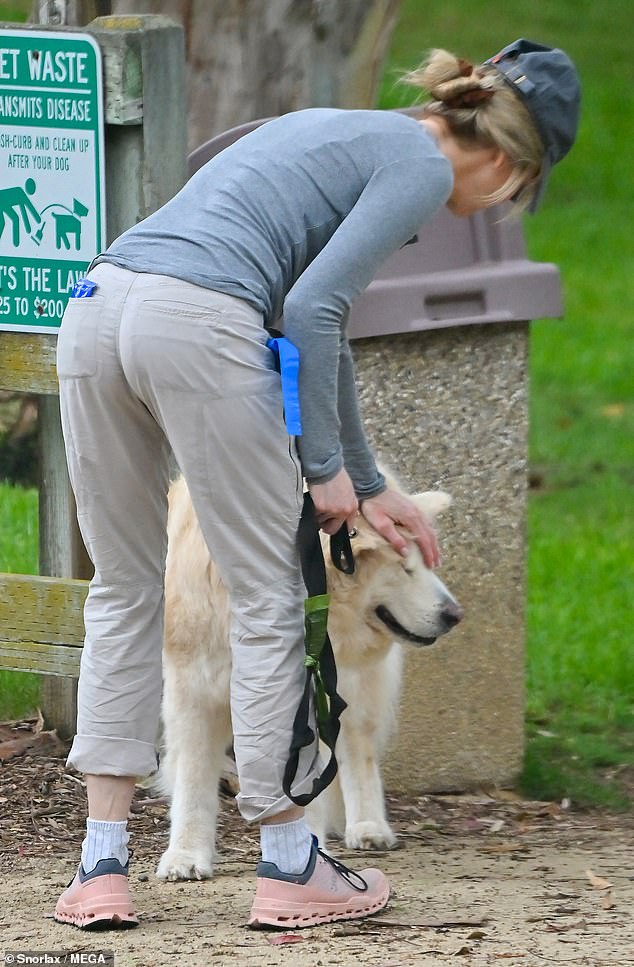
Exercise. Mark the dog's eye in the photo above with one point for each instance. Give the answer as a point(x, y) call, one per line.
point(408, 569)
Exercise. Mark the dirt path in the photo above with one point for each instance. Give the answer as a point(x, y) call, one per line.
point(489, 880)
point(488, 901)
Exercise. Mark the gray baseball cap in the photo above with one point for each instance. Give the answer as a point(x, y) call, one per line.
point(547, 81)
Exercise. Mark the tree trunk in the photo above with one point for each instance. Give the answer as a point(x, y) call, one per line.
point(249, 59)
point(68, 13)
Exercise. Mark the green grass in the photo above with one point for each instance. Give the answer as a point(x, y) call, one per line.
point(19, 692)
point(16, 11)
point(19, 531)
point(580, 673)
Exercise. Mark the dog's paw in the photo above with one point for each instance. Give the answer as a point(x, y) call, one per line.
point(370, 835)
point(180, 864)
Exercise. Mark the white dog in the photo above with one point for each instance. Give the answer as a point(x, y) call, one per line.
point(388, 600)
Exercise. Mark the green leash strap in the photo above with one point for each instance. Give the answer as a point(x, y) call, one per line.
point(321, 671)
point(316, 629)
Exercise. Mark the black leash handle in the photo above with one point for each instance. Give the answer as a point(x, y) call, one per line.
point(341, 550)
point(321, 670)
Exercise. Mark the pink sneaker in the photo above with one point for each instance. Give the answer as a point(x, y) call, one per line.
point(99, 900)
point(325, 891)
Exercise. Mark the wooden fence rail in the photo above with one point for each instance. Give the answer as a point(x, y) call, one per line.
point(41, 624)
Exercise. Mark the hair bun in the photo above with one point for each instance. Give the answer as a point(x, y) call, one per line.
point(456, 82)
point(457, 91)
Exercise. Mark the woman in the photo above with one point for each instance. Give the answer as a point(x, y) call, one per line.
point(281, 230)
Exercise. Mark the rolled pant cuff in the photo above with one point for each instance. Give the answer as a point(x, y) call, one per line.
point(104, 755)
point(254, 809)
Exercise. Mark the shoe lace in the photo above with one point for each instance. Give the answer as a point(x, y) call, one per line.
point(345, 872)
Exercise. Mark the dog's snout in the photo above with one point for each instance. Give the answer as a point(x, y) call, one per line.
point(451, 614)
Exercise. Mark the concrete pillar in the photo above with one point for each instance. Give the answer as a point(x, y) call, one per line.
point(448, 409)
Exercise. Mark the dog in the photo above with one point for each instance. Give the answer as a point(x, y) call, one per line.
point(389, 601)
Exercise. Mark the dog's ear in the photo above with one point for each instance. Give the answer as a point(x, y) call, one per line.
point(432, 503)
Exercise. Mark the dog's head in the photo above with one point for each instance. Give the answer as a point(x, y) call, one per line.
point(398, 598)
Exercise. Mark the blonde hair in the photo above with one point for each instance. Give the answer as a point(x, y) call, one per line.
point(481, 108)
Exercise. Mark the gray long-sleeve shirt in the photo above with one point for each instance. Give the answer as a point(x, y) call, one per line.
point(296, 218)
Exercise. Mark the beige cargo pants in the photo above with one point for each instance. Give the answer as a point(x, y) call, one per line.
point(148, 363)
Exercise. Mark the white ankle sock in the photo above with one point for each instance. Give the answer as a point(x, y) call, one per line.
point(287, 845)
point(104, 841)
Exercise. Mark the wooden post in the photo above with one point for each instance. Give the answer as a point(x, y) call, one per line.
point(145, 113)
point(62, 552)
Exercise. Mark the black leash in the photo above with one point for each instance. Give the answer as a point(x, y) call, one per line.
point(321, 671)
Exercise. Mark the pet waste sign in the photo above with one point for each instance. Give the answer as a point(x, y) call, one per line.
point(52, 202)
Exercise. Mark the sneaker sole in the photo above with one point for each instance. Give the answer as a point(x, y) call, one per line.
point(106, 916)
point(96, 923)
point(269, 914)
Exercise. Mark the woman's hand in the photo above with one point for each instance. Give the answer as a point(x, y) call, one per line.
point(390, 508)
point(335, 502)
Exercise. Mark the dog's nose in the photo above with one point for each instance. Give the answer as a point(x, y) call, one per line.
point(451, 614)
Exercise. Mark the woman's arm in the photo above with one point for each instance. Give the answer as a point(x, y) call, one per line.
point(358, 458)
point(398, 198)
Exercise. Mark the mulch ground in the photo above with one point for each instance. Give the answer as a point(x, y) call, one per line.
point(43, 808)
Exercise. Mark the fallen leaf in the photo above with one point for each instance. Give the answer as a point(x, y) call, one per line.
point(505, 848)
point(463, 952)
point(347, 930)
point(476, 935)
point(613, 410)
point(15, 747)
point(597, 881)
point(283, 938)
point(473, 823)
point(505, 795)
point(565, 927)
point(552, 809)
point(42, 743)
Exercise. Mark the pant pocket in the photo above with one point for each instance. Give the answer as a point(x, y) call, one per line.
point(77, 339)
